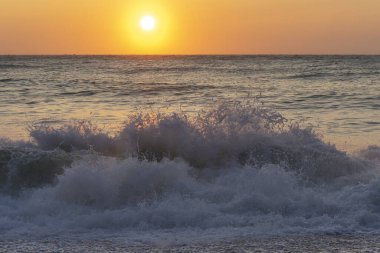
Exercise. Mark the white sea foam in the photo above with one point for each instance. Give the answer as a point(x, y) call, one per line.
point(234, 170)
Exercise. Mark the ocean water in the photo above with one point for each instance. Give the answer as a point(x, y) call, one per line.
point(185, 150)
point(338, 95)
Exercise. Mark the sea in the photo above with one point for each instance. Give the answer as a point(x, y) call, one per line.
point(239, 153)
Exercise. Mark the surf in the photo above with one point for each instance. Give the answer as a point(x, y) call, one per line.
point(240, 166)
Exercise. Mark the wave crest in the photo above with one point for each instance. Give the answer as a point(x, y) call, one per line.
point(230, 134)
point(237, 166)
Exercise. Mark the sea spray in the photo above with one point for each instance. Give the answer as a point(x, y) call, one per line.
point(235, 169)
point(229, 134)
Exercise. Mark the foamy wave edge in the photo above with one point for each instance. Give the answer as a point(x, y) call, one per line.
point(237, 166)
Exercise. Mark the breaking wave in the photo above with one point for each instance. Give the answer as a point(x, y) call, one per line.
point(237, 168)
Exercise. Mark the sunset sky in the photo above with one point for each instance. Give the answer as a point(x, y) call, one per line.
point(190, 27)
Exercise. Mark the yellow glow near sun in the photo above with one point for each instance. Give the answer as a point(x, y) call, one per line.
point(149, 27)
point(147, 23)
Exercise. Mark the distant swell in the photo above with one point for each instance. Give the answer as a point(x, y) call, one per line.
point(309, 76)
point(235, 169)
point(5, 80)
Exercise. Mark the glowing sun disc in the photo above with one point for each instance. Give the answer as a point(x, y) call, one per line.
point(148, 23)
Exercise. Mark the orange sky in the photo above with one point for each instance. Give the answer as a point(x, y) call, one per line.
point(190, 27)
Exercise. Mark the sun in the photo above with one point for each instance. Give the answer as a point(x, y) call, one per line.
point(147, 23)
point(148, 27)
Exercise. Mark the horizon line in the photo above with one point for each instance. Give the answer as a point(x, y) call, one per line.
point(249, 54)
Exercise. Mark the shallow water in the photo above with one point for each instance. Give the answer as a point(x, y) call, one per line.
point(291, 243)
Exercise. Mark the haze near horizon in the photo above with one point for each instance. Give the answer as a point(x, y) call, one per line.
point(196, 27)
